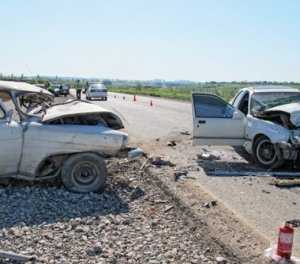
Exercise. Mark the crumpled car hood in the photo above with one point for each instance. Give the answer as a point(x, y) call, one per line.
point(292, 109)
point(78, 108)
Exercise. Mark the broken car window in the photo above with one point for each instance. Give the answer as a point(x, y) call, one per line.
point(9, 105)
point(2, 114)
point(263, 101)
point(209, 106)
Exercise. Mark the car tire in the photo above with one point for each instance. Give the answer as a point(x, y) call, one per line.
point(84, 172)
point(88, 98)
point(265, 155)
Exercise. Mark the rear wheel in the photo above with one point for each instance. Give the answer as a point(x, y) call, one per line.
point(264, 153)
point(84, 173)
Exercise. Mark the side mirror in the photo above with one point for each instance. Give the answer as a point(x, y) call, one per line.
point(9, 115)
point(237, 115)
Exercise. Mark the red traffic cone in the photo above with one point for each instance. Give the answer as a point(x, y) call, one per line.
point(151, 103)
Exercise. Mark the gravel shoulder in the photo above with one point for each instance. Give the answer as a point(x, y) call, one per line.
point(132, 221)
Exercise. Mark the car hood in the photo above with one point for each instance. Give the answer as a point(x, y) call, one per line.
point(292, 109)
point(81, 108)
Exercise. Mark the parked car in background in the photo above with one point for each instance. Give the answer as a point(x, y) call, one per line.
point(39, 140)
point(263, 119)
point(55, 89)
point(96, 91)
point(64, 89)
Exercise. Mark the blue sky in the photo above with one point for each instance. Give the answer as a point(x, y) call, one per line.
point(156, 39)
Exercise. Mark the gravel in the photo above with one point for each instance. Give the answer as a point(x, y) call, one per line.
point(132, 221)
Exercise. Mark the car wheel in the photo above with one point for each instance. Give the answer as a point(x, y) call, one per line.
point(84, 173)
point(88, 98)
point(264, 153)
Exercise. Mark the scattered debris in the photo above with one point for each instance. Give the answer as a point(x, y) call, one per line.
point(187, 133)
point(136, 193)
point(210, 204)
point(171, 143)
point(221, 260)
point(286, 182)
point(214, 203)
point(158, 161)
point(179, 174)
point(207, 156)
point(135, 153)
point(17, 257)
point(265, 191)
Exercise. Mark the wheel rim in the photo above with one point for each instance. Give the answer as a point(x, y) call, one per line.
point(265, 152)
point(85, 173)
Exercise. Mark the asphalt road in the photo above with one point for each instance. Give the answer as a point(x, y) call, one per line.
point(262, 206)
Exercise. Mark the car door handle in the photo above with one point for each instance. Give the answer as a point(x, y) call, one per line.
point(201, 121)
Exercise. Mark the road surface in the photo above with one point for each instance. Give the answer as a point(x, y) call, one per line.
point(263, 206)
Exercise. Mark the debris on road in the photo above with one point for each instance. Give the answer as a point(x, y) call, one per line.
point(158, 161)
point(210, 204)
point(135, 153)
point(186, 133)
point(221, 260)
point(171, 143)
point(207, 156)
point(178, 174)
point(286, 182)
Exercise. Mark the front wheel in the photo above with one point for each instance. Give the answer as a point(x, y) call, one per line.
point(264, 153)
point(84, 172)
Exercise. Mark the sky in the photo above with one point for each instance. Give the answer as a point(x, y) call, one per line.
point(199, 40)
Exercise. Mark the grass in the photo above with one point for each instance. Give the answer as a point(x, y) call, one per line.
point(181, 93)
point(226, 91)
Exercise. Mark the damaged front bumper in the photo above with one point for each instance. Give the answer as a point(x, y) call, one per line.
point(289, 150)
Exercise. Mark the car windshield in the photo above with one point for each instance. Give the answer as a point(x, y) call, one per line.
point(263, 101)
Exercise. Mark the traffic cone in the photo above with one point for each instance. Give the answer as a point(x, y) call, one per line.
point(151, 103)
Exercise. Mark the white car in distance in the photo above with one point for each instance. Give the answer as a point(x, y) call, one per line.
point(96, 91)
point(263, 119)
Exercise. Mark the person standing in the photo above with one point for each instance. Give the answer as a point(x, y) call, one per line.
point(78, 89)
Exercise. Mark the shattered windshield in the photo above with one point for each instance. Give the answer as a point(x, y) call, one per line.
point(263, 101)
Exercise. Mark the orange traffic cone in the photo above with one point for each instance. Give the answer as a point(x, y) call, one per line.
point(151, 103)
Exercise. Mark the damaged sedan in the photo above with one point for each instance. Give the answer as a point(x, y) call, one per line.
point(42, 140)
point(263, 119)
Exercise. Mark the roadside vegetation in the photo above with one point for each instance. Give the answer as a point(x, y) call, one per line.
point(224, 90)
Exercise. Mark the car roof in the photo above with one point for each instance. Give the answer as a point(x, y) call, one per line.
point(22, 87)
point(270, 88)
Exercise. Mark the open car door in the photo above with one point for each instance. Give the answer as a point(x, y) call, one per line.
point(216, 122)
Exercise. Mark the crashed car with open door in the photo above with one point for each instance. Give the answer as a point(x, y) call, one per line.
point(41, 140)
point(263, 119)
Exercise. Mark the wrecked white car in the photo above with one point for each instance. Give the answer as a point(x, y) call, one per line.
point(263, 119)
point(39, 140)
